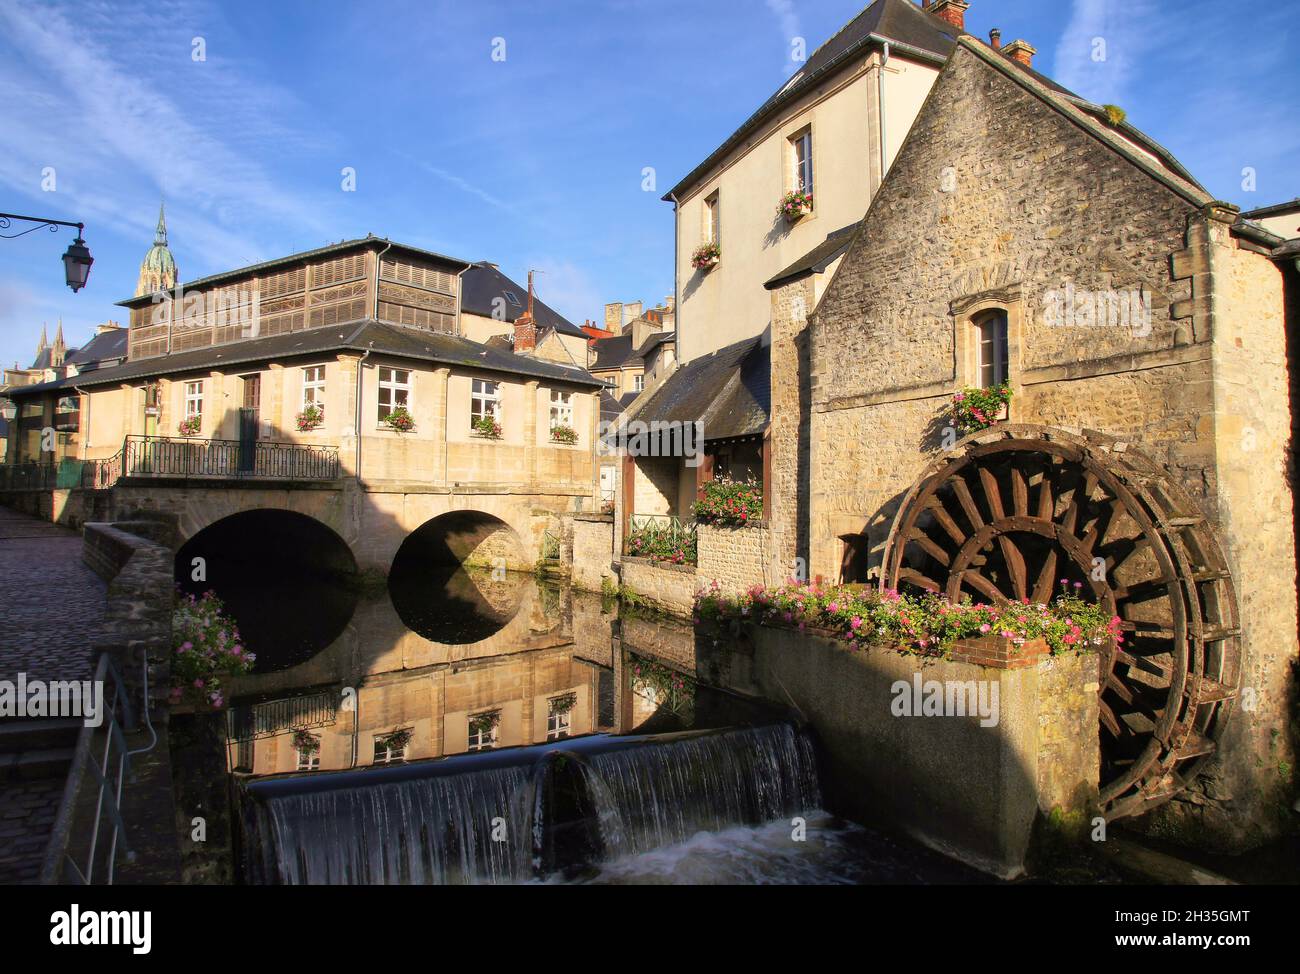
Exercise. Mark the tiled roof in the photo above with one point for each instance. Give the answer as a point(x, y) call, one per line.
point(819, 258)
point(483, 284)
point(106, 345)
point(374, 336)
point(729, 391)
point(611, 353)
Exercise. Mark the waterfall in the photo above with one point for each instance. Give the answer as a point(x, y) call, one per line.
point(560, 805)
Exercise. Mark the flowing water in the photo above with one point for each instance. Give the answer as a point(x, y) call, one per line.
point(532, 738)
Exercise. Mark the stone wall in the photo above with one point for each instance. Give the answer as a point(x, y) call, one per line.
point(71, 508)
point(593, 550)
point(667, 587)
point(734, 557)
point(137, 626)
point(970, 791)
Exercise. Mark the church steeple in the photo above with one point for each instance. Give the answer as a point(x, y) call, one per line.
point(158, 269)
point(44, 342)
point(59, 350)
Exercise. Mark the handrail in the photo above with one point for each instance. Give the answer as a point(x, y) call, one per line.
point(168, 457)
point(110, 772)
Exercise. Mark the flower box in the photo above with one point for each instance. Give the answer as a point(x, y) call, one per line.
point(310, 418)
point(564, 434)
point(795, 205)
point(400, 420)
point(706, 256)
point(486, 427)
point(190, 425)
point(978, 409)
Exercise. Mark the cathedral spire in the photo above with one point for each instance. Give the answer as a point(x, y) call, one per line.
point(158, 269)
point(45, 340)
point(160, 235)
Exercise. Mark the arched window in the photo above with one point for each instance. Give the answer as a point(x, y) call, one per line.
point(993, 355)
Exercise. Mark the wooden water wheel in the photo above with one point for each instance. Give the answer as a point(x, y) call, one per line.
point(1012, 511)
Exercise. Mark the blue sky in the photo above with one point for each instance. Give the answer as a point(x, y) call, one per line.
point(531, 161)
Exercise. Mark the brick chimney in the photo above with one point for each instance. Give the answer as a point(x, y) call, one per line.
point(1022, 51)
point(525, 324)
point(952, 11)
point(995, 39)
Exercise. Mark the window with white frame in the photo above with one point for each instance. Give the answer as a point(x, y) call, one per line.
point(483, 731)
point(713, 219)
point(561, 409)
point(993, 348)
point(801, 157)
point(394, 390)
point(309, 758)
point(638, 382)
point(313, 387)
point(557, 723)
point(194, 398)
point(386, 752)
point(485, 400)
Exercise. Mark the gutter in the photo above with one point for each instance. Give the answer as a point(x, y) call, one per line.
point(85, 436)
point(880, 99)
point(677, 246)
point(361, 362)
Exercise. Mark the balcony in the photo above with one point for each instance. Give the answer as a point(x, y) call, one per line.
point(168, 458)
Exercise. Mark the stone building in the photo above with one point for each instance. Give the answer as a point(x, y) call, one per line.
point(1023, 236)
point(491, 303)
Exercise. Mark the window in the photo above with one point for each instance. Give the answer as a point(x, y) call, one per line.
point(392, 747)
point(513, 298)
point(713, 219)
point(194, 398)
point(308, 758)
point(638, 382)
point(483, 731)
point(561, 408)
point(313, 387)
point(485, 400)
point(557, 719)
point(802, 159)
point(394, 390)
point(993, 350)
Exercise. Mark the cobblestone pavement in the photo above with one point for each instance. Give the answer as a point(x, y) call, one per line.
point(27, 811)
point(51, 604)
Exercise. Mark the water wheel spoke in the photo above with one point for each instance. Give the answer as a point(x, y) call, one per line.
point(946, 521)
point(967, 502)
point(921, 581)
point(1111, 722)
point(1015, 565)
point(984, 586)
point(1046, 579)
point(931, 548)
point(1019, 492)
point(1046, 502)
point(992, 494)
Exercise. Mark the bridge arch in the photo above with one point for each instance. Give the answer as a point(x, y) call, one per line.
point(286, 578)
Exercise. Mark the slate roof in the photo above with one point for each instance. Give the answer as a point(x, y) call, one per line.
point(106, 345)
point(367, 335)
point(483, 283)
point(911, 31)
point(611, 353)
point(653, 340)
point(729, 391)
point(817, 259)
point(1275, 210)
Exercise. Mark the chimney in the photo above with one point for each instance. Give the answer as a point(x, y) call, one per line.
point(995, 39)
point(525, 328)
point(107, 327)
point(614, 316)
point(951, 11)
point(1022, 51)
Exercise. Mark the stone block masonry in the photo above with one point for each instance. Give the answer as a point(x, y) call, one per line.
point(670, 588)
point(593, 550)
point(734, 557)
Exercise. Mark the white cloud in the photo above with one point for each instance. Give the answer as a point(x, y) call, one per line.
point(788, 19)
point(1100, 53)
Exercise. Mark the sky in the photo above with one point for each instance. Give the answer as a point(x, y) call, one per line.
point(536, 134)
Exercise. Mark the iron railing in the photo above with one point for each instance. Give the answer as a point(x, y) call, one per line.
point(168, 457)
point(273, 716)
point(550, 548)
point(86, 852)
point(659, 535)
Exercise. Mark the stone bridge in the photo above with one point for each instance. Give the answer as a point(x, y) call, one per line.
point(474, 525)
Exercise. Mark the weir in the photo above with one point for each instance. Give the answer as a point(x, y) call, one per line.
point(521, 814)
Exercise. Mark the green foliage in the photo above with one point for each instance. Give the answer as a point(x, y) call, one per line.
point(927, 624)
point(1115, 114)
point(795, 204)
point(705, 256)
point(400, 419)
point(663, 541)
point(487, 426)
point(730, 502)
point(310, 418)
point(564, 434)
point(977, 409)
point(207, 646)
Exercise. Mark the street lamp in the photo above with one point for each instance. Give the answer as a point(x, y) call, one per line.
point(77, 259)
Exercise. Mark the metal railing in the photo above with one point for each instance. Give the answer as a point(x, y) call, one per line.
point(179, 458)
point(105, 770)
point(658, 535)
point(550, 548)
point(273, 716)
